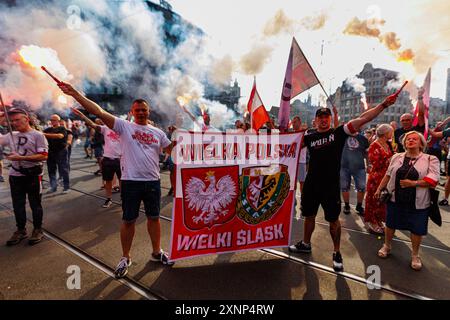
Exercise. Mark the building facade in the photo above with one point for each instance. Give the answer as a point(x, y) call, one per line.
point(377, 83)
point(226, 94)
point(437, 111)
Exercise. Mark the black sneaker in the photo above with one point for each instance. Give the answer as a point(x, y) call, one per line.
point(300, 247)
point(360, 211)
point(17, 236)
point(98, 172)
point(443, 202)
point(108, 203)
point(122, 268)
point(338, 263)
point(36, 236)
point(347, 210)
point(161, 257)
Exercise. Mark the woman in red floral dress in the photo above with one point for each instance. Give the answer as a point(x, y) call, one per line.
point(380, 153)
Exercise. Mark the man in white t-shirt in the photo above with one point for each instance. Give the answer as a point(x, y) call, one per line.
point(140, 146)
point(110, 163)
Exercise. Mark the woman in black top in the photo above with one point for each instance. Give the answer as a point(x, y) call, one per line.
point(408, 178)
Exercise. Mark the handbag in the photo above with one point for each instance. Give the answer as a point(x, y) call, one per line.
point(385, 195)
point(434, 213)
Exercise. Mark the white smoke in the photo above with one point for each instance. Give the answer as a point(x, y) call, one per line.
point(356, 83)
point(145, 30)
point(358, 86)
point(117, 44)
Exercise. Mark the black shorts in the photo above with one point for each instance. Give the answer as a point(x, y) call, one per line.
point(109, 168)
point(133, 192)
point(327, 196)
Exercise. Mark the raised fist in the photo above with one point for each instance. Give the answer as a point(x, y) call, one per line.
point(67, 88)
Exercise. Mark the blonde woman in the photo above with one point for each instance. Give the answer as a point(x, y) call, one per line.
point(408, 178)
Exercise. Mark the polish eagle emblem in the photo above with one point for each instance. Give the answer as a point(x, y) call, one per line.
point(210, 199)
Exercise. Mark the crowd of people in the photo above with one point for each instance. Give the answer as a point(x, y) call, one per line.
point(390, 169)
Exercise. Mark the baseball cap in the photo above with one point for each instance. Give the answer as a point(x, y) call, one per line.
point(17, 110)
point(323, 111)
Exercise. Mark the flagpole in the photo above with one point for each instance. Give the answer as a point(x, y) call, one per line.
point(8, 122)
point(320, 83)
point(251, 111)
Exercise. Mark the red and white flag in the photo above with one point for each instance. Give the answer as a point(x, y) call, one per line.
point(426, 101)
point(258, 112)
point(299, 77)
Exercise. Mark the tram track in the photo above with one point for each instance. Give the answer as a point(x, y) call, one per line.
point(317, 222)
point(311, 264)
point(148, 294)
point(129, 282)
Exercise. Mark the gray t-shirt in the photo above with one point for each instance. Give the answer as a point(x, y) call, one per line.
point(25, 144)
point(354, 152)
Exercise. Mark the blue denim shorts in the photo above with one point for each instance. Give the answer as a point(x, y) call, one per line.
point(359, 176)
point(135, 192)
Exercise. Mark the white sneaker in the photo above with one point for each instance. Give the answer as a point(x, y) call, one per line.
point(122, 267)
point(108, 203)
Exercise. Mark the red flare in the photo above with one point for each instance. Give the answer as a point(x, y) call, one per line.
point(52, 76)
point(400, 90)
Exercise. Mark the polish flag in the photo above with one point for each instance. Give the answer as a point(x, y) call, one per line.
point(426, 101)
point(299, 77)
point(258, 112)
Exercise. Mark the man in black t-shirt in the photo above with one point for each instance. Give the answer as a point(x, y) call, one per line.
point(57, 154)
point(322, 185)
point(406, 121)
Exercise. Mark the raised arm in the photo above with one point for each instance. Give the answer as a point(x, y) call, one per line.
point(335, 116)
point(371, 114)
point(191, 116)
point(442, 125)
point(421, 105)
point(86, 120)
point(87, 104)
